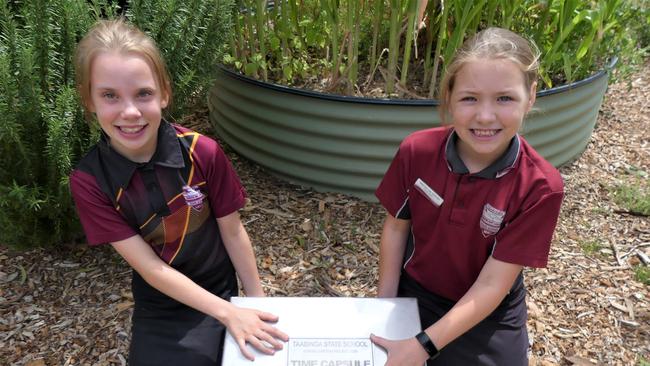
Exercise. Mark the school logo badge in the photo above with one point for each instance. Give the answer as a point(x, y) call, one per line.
point(491, 220)
point(193, 197)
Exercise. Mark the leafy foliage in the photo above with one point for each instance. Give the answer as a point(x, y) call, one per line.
point(333, 39)
point(43, 132)
point(192, 36)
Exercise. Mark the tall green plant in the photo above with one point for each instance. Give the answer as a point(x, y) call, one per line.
point(411, 27)
point(575, 37)
point(354, 13)
point(377, 17)
point(393, 44)
point(332, 16)
point(441, 40)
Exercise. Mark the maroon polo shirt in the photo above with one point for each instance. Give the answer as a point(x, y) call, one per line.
point(508, 211)
point(172, 202)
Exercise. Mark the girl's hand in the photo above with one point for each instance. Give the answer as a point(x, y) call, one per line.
point(405, 352)
point(250, 325)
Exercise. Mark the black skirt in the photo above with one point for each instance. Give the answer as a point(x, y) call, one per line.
point(188, 339)
point(170, 333)
point(500, 339)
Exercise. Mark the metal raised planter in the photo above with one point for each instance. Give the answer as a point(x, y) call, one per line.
point(345, 144)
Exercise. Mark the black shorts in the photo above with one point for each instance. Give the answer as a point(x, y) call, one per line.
point(500, 339)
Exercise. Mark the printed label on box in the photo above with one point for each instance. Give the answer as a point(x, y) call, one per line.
point(330, 352)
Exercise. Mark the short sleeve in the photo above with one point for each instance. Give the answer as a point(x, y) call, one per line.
point(393, 189)
point(526, 240)
point(226, 192)
point(101, 222)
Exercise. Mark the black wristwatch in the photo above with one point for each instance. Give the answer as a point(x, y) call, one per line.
point(428, 345)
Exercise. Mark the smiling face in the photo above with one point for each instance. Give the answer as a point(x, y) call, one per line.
point(487, 105)
point(128, 103)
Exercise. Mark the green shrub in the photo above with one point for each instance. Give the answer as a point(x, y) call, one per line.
point(43, 133)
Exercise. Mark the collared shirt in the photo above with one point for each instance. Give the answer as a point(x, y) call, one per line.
point(508, 210)
point(171, 202)
point(498, 168)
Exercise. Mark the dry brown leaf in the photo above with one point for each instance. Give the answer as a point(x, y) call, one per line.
point(39, 362)
point(277, 212)
point(533, 310)
point(580, 361)
point(124, 306)
point(306, 225)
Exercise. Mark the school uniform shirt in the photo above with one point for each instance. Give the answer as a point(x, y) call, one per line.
point(509, 210)
point(172, 202)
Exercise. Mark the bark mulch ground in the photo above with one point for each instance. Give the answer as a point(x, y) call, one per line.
point(71, 305)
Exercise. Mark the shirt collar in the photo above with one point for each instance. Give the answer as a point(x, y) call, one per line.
point(168, 154)
point(496, 170)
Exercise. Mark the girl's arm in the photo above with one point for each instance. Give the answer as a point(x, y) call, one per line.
point(489, 289)
point(245, 325)
point(240, 251)
point(391, 254)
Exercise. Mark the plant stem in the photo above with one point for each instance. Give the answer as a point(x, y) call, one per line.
point(378, 14)
point(393, 45)
point(411, 27)
point(442, 39)
point(432, 27)
point(260, 17)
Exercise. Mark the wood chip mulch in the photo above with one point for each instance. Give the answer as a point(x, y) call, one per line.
point(71, 305)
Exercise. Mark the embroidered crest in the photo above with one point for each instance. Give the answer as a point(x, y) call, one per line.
point(491, 220)
point(193, 197)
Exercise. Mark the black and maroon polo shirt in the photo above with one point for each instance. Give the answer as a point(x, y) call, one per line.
point(172, 202)
point(509, 210)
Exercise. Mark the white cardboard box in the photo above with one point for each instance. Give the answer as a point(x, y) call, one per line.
point(329, 331)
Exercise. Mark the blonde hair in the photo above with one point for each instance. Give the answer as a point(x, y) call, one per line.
point(491, 43)
point(117, 36)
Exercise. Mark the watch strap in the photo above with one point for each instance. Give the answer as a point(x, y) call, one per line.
point(427, 344)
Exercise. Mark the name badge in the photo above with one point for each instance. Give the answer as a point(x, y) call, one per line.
point(429, 193)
